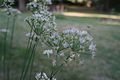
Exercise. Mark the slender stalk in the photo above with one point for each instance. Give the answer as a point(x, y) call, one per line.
point(25, 64)
point(8, 71)
point(5, 51)
point(57, 70)
point(31, 36)
point(5, 61)
point(33, 50)
point(29, 61)
point(29, 42)
point(13, 29)
point(32, 60)
point(29, 46)
point(31, 66)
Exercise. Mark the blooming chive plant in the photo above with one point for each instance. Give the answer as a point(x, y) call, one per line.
point(65, 46)
point(68, 45)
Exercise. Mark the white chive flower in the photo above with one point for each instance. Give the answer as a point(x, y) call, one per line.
point(42, 76)
point(65, 45)
point(92, 48)
point(48, 52)
point(54, 62)
point(13, 11)
point(82, 40)
point(49, 1)
point(62, 54)
point(4, 30)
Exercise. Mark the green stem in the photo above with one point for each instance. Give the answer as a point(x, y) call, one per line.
point(13, 29)
point(57, 70)
point(29, 46)
point(5, 51)
point(32, 60)
point(29, 62)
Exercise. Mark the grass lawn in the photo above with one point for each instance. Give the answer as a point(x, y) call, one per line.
point(105, 66)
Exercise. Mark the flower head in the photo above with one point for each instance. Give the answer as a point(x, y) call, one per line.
point(79, 41)
point(48, 52)
point(43, 76)
point(92, 48)
point(4, 30)
point(13, 11)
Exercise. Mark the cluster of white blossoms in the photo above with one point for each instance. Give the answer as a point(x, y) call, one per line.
point(9, 9)
point(41, 21)
point(38, 5)
point(79, 41)
point(43, 76)
point(13, 11)
point(68, 45)
point(74, 39)
point(80, 37)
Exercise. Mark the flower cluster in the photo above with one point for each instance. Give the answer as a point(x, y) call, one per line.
point(75, 40)
point(38, 5)
point(13, 11)
point(9, 9)
point(77, 44)
point(42, 21)
point(79, 41)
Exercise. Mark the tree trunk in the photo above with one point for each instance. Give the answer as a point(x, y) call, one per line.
point(22, 6)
